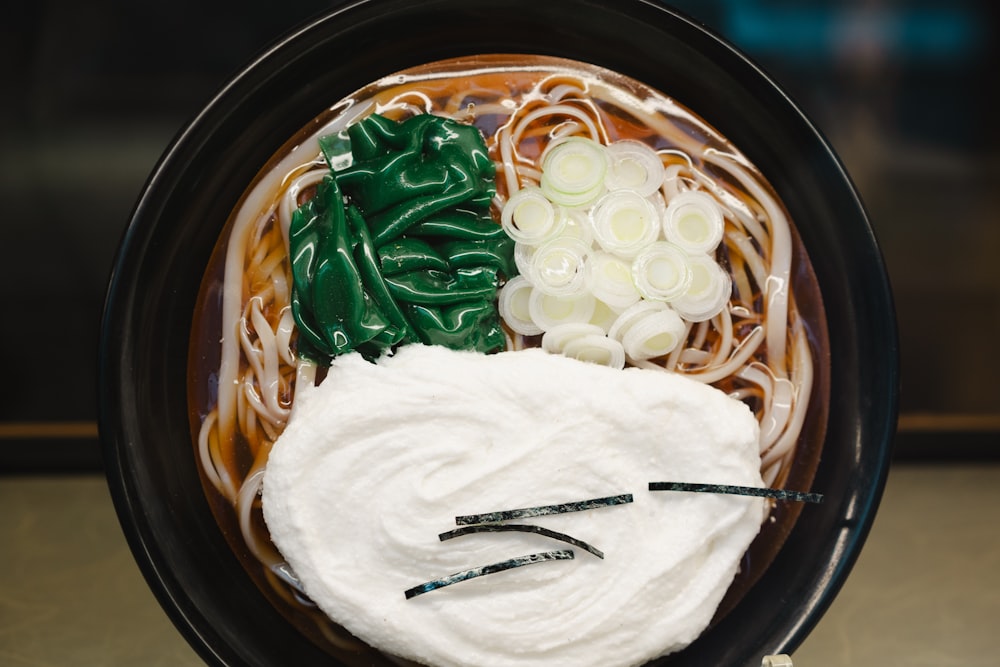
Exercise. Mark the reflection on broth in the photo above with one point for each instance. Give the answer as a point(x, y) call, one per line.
point(764, 344)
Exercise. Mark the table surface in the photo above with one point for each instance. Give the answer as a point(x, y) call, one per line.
point(924, 592)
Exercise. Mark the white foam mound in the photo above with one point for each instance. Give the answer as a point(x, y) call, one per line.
point(381, 458)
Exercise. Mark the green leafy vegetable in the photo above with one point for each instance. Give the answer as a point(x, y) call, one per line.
point(398, 246)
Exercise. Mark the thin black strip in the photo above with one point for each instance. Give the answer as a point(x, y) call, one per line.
point(527, 512)
point(778, 494)
point(493, 568)
point(519, 528)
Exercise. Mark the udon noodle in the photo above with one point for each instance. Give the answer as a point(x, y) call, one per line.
point(757, 349)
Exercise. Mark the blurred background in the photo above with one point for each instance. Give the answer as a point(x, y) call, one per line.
point(94, 92)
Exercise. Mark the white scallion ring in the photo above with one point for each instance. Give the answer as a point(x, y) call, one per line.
point(529, 217)
point(596, 349)
point(625, 223)
point(549, 311)
point(573, 171)
point(576, 224)
point(634, 166)
point(661, 271)
point(693, 221)
point(654, 335)
point(609, 278)
point(709, 292)
point(628, 317)
point(558, 267)
point(513, 305)
point(604, 315)
point(556, 338)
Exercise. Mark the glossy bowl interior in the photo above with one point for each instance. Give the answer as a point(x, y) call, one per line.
point(176, 223)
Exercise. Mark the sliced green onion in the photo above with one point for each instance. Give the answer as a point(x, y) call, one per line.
point(573, 171)
point(625, 223)
point(708, 293)
point(596, 349)
point(558, 267)
point(549, 311)
point(604, 315)
point(628, 317)
point(513, 304)
point(634, 166)
point(520, 528)
point(522, 258)
point(758, 492)
point(661, 271)
point(544, 510)
point(654, 335)
point(529, 217)
point(493, 568)
point(555, 339)
point(609, 278)
point(577, 225)
point(693, 220)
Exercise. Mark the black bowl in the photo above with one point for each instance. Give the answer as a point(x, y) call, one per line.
point(147, 322)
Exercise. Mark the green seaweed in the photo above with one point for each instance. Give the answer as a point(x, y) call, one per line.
point(519, 528)
point(777, 494)
point(493, 568)
point(543, 510)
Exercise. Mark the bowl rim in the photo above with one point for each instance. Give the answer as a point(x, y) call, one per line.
point(871, 447)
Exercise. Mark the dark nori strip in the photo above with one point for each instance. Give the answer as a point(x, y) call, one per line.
point(520, 528)
point(493, 568)
point(778, 494)
point(527, 512)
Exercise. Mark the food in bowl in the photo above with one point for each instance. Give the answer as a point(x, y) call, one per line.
point(600, 220)
point(607, 571)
